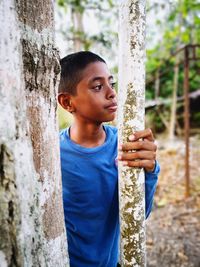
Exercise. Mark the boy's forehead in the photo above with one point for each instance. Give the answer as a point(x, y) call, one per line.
point(96, 69)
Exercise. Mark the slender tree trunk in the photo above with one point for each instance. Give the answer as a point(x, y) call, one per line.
point(77, 18)
point(174, 101)
point(131, 117)
point(31, 213)
point(172, 124)
point(157, 84)
point(187, 121)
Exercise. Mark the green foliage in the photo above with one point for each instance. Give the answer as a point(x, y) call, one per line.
point(154, 122)
point(197, 117)
point(65, 118)
point(153, 61)
point(181, 27)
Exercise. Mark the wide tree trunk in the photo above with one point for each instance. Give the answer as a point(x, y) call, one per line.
point(31, 213)
point(131, 118)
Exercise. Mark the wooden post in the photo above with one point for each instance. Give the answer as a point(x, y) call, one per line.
point(172, 124)
point(186, 121)
point(131, 117)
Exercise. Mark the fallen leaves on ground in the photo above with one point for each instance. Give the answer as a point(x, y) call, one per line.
point(173, 229)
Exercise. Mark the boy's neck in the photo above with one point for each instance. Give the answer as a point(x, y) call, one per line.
point(87, 135)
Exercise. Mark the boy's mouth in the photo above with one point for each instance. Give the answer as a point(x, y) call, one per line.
point(112, 106)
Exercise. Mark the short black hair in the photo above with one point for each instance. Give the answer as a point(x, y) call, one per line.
point(72, 67)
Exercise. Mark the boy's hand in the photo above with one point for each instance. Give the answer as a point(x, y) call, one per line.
point(140, 151)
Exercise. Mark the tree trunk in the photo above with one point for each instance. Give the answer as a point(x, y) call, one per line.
point(174, 101)
point(31, 213)
point(157, 84)
point(131, 118)
point(77, 18)
point(172, 124)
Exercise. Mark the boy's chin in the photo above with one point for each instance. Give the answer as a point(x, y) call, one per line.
point(110, 119)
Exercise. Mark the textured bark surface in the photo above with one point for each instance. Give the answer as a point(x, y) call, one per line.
point(130, 118)
point(31, 213)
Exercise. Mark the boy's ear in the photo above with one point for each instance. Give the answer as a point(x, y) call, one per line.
point(64, 99)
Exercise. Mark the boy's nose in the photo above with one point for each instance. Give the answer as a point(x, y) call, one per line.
point(111, 93)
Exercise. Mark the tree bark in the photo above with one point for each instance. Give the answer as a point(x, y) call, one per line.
point(131, 118)
point(31, 214)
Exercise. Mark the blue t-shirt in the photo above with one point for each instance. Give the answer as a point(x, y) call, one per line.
point(90, 199)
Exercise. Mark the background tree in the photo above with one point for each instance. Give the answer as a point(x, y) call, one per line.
point(131, 118)
point(31, 213)
point(82, 39)
point(179, 27)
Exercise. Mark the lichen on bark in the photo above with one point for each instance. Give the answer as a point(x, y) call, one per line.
point(39, 65)
point(128, 112)
point(9, 209)
point(51, 216)
point(37, 15)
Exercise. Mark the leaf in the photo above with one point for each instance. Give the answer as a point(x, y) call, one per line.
point(162, 202)
point(61, 3)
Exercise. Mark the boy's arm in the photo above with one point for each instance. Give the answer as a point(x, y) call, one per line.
point(151, 179)
point(141, 152)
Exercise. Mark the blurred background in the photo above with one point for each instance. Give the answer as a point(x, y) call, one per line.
point(172, 109)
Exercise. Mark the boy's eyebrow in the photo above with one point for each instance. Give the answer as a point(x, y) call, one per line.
point(100, 78)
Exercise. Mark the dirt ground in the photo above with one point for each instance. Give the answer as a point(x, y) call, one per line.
point(173, 229)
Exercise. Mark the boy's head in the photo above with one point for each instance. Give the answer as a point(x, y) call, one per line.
point(72, 67)
point(86, 88)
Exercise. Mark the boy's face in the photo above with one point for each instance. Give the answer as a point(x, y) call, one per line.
point(95, 100)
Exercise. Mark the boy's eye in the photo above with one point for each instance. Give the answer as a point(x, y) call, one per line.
point(113, 85)
point(98, 87)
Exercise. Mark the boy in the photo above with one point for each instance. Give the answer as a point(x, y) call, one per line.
point(88, 161)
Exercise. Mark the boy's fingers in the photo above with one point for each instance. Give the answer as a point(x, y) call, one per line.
point(141, 154)
point(140, 145)
point(147, 134)
point(147, 164)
